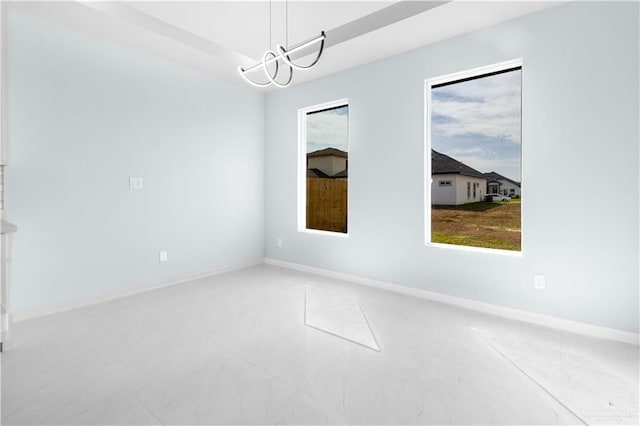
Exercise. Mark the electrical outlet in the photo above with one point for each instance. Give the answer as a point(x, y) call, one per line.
point(163, 256)
point(539, 282)
point(135, 183)
point(279, 242)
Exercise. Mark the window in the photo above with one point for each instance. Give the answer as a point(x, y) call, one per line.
point(473, 136)
point(323, 168)
point(445, 183)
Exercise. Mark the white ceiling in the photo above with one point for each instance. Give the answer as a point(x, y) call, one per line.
point(215, 37)
point(243, 26)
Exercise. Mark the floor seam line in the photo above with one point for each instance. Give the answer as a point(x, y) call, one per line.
point(295, 388)
point(548, 392)
point(149, 409)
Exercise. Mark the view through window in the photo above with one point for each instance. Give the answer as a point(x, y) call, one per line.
point(476, 153)
point(325, 143)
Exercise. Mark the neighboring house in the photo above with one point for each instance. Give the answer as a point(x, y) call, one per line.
point(498, 184)
point(330, 162)
point(341, 175)
point(453, 182)
point(317, 173)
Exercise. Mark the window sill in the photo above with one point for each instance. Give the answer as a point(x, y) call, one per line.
point(510, 253)
point(327, 233)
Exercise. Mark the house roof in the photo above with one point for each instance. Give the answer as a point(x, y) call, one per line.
point(316, 173)
point(493, 176)
point(342, 174)
point(443, 164)
point(327, 152)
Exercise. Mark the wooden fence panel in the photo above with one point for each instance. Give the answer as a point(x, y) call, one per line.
point(327, 204)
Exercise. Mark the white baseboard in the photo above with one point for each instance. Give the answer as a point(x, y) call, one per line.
point(32, 314)
point(511, 313)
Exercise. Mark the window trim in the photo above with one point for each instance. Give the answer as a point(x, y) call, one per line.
point(460, 76)
point(302, 166)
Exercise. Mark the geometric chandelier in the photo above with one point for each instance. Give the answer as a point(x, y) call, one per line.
point(273, 63)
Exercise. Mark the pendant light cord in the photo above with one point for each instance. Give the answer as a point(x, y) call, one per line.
point(280, 57)
point(269, 47)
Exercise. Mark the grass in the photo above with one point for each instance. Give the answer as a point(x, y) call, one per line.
point(485, 224)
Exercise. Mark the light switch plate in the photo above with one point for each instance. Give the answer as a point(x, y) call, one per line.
point(539, 282)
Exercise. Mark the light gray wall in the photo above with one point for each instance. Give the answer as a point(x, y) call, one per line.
point(84, 116)
point(580, 133)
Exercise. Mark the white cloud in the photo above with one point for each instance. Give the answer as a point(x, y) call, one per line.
point(488, 106)
point(327, 129)
point(463, 152)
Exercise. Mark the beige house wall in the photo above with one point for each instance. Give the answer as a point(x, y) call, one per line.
point(456, 193)
point(506, 187)
point(444, 195)
point(463, 196)
point(328, 164)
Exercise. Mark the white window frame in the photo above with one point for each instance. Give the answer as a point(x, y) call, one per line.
point(302, 168)
point(428, 84)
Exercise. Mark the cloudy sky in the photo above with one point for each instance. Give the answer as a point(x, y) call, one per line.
point(478, 123)
point(328, 129)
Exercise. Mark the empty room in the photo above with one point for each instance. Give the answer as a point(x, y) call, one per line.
point(320, 212)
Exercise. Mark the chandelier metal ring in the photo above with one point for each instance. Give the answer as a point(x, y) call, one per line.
point(285, 55)
point(269, 55)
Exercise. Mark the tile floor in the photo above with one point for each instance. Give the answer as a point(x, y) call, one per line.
point(234, 349)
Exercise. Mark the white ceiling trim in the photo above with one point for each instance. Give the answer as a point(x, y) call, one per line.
point(356, 28)
point(133, 16)
point(200, 35)
point(379, 19)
